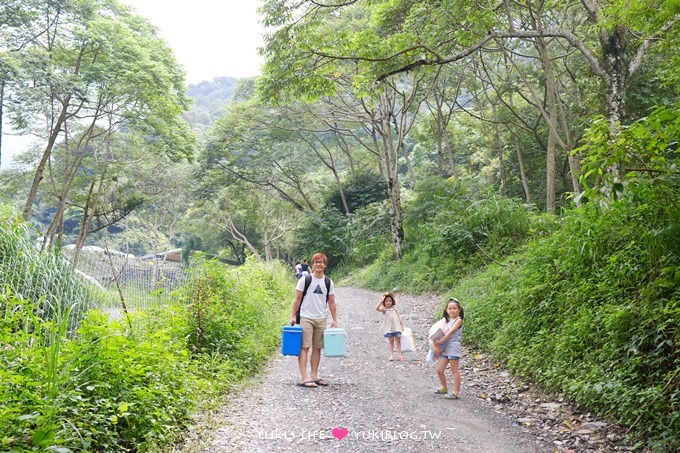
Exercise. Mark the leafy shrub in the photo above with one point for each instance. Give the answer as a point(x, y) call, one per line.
point(236, 313)
point(123, 390)
point(365, 188)
point(21, 371)
point(105, 388)
point(646, 151)
point(594, 312)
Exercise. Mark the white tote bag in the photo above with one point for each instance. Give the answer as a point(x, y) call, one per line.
point(408, 343)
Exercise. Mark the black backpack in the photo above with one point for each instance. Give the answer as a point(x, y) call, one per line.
point(308, 281)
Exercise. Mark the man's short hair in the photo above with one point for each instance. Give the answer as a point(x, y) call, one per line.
point(320, 256)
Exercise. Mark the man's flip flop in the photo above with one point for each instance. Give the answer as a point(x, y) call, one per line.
point(321, 382)
point(307, 385)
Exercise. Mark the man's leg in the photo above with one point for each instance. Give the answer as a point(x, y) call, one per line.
point(317, 345)
point(302, 363)
point(307, 335)
point(314, 363)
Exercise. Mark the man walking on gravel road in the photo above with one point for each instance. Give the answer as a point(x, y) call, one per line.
point(312, 304)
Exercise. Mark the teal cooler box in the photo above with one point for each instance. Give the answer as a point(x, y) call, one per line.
point(291, 340)
point(334, 342)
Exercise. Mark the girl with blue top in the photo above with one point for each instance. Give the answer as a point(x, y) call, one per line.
point(449, 349)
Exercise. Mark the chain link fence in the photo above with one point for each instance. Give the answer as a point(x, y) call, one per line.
point(110, 281)
point(129, 282)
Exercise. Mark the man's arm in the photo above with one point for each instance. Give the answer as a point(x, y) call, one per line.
point(296, 306)
point(332, 308)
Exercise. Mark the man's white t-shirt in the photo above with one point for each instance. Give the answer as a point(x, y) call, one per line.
point(314, 303)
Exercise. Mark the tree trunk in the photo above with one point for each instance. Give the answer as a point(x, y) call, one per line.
point(553, 123)
point(550, 175)
point(89, 213)
point(390, 167)
point(440, 157)
point(409, 166)
point(267, 248)
point(501, 159)
point(522, 172)
point(613, 47)
point(85, 223)
point(240, 237)
point(156, 268)
point(575, 171)
point(54, 134)
point(70, 174)
point(453, 170)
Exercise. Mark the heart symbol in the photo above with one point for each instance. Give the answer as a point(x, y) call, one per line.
point(339, 433)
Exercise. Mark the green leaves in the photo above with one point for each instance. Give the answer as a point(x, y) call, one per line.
point(109, 389)
point(646, 149)
point(221, 315)
point(592, 310)
point(84, 72)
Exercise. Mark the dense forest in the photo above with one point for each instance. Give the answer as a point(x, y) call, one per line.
point(522, 156)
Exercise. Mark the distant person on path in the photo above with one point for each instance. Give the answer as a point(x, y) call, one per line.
point(449, 349)
point(313, 307)
point(393, 324)
point(298, 269)
point(304, 267)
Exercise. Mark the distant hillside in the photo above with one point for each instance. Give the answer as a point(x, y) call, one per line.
point(211, 99)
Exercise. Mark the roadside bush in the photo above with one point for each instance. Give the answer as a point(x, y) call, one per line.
point(236, 313)
point(593, 312)
point(22, 372)
point(454, 228)
point(124, 390)
point(85, 382)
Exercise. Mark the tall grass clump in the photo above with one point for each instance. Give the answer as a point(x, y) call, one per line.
point(87, 382)
point(45, 276)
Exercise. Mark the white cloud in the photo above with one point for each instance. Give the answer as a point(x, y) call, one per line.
point(13, 145)
point(210, 38)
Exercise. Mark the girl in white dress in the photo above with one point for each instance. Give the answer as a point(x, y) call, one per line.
point(393, 325)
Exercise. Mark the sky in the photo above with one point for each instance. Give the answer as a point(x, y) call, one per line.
point(210, 38)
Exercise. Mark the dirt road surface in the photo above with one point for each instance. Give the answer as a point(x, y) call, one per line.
point(371, 404)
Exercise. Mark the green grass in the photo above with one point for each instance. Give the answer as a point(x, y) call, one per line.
point(78, 380)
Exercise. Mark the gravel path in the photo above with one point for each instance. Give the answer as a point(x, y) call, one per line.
point(371, 404)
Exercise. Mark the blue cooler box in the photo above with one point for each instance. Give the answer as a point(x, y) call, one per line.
point(291, 340)
point(334, 342)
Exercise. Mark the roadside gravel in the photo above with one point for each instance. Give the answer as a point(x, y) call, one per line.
point(373, 404)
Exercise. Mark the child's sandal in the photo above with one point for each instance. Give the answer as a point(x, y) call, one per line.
point(441, 392)
point(452, 396)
